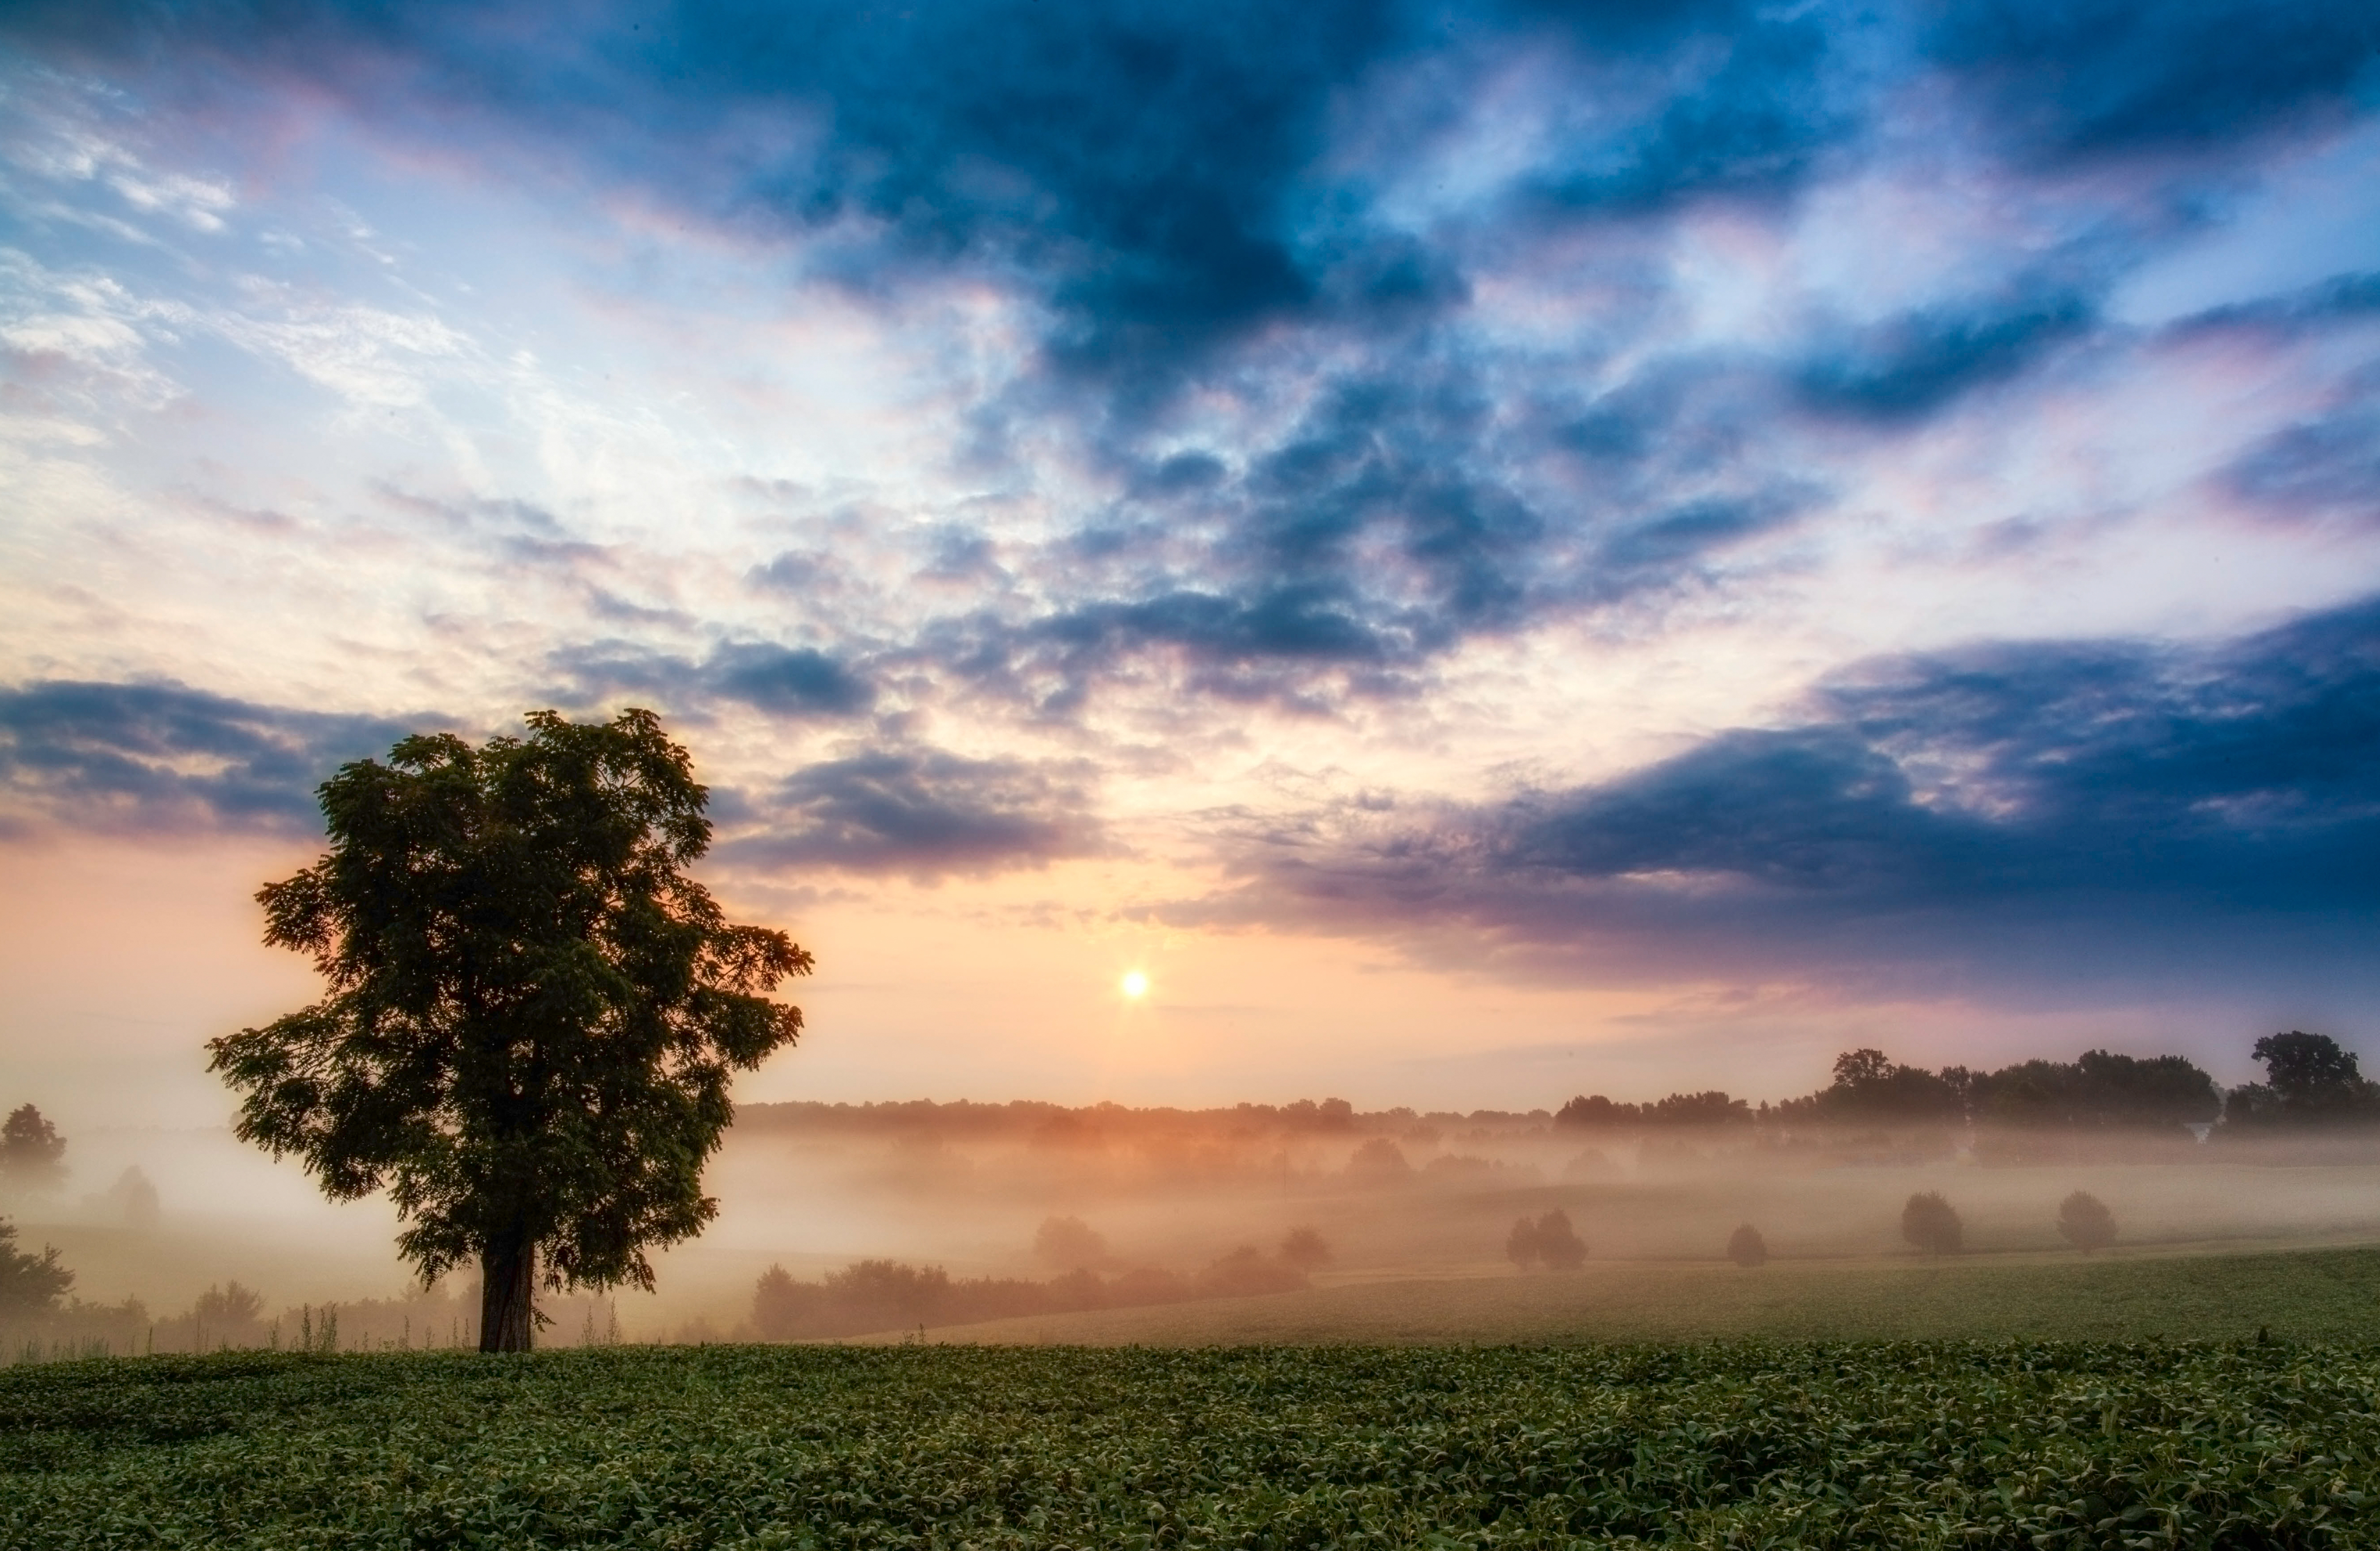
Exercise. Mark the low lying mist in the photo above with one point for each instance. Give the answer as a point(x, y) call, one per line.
point(843, 1219)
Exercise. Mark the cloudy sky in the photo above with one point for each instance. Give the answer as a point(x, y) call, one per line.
point(1490, 550)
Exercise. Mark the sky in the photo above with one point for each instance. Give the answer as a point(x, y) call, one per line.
point(1488, 551)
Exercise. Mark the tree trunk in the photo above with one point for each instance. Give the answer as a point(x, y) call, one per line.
point(507, 1280)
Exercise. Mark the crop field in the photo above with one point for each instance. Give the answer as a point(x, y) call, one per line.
point(2306, 1294)
point(1967, 1443)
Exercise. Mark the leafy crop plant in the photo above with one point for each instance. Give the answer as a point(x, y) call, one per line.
point(2019, 1444)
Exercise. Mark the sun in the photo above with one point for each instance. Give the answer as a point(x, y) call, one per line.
point(1135, 985)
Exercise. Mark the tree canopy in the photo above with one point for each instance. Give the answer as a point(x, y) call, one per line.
point(532, 1012)
point(2310, 1082)
point(32, 1154)
point(29, 1283)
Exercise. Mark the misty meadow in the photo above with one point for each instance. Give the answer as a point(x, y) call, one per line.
point(1498, 773)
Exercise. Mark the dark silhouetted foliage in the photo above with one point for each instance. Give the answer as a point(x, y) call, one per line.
point(1594, 1111)
point(1746, 1247)
point(533, 1009)
point(1870, 1088)
point(2099, 1091)
point(2084, 1221)
point(32, 1154)
point(1931, 1223)
point(29, 1283)
point(2310, 1082)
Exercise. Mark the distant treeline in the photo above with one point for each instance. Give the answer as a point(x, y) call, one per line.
point(2311, 1085)
point(871, 1295)
point(1060, 1126)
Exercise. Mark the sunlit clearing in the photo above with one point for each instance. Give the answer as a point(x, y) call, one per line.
point(1135, 985)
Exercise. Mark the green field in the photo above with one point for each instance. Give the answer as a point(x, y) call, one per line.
point(1967, 1443)
point(2324, 1294)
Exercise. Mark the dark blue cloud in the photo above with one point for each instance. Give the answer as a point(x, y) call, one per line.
point(2309, 308)
point(2054, 810)
point(921, 812)
point(1384, 527)
point(2072, 78)
point(1753, 126)
point(797, 681)
point(1163, 181)
point(1914, 365)
point(163, 757)
point(1155, 172)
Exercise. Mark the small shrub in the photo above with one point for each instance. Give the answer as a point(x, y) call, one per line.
point(1930, 1223)
point(1549, 1240)
point(1746, 1247)
point(2084, 1221)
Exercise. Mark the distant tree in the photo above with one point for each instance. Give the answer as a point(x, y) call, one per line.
point(132, 1200)
point(1332, 1114)
point(2309, 1080)
point(781, 1307)
point(2084, 1221)
point(1589, 1165)
point(1558, 1243)
point(32, 1154)
point(1929, 1223)
point(230, 1305)
point(227, 1316)
point(889, 1294)
point(1872, 1089)
point(1380, 1162)
point(2099, 1091)
point(1707, 1109)
point(2305, 1067)
point(1746, 1247)
point(1521, 1244)
point(1594, 1111)
point(1069, 1245)
point(1548, 1241)
point(1304, 1248)
point(533, 1009)
point(29, 1283)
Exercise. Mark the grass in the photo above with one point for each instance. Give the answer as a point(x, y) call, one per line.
point(2326, 1294)
point(1971, 1443)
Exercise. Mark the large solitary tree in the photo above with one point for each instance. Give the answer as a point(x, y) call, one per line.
point(533, 1009)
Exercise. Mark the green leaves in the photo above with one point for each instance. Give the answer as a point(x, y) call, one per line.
point(533, 1012)
point(2010, 1445)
